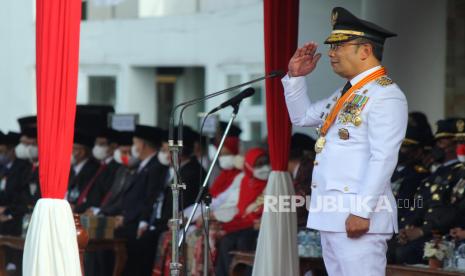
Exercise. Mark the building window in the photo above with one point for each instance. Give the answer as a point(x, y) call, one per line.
point(102, 90)
point(257, 98)
point(84, 5)
point(165, 99)
point(256, 131)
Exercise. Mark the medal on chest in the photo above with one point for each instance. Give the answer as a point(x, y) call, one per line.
point(349, 107)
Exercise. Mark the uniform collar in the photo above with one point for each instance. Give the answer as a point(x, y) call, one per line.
point(360, 76)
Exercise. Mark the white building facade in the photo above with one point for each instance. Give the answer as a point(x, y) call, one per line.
point(144, 56)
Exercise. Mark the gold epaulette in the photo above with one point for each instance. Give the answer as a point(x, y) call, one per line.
point(420, 169)
point(459, 165)
point(384, 81)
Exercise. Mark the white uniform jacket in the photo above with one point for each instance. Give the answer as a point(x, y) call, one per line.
point(352, 173)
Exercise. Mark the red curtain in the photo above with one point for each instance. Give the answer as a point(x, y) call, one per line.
point(281, 31)
point(57, 59)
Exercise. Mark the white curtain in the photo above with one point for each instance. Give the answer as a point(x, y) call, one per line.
point(51, 247)
point(276, 253)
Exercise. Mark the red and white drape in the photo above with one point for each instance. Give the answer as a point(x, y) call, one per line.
point(276, 252)
point(51, 245)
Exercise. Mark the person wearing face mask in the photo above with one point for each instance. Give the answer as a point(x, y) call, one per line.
point(14, 193)
point(144, 186)
point(90, 198)
point(100, 263)
point(420, 220)
point(111, 203)
point(238, 230)
point(13, 185)
point(409, 172)
point(34, 187)
point(420, 121)
point(83, 166)
point(220, 187)
point(228, 171)
point(28, 150)
point(192, 174)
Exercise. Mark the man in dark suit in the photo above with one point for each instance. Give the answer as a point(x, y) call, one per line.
point(111, 204)
point(156, 215)
point(191, 174)
point(83, 166)
point(14, 192)
point(28, 150)
point(144, 185)
point(13, 186)
point(105, 145)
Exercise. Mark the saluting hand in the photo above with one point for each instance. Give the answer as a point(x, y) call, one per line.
point(304, 60)
point(356, 226)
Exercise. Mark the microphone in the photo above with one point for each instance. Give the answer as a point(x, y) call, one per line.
point(235, 100)
point(272, 74)
point(276, 73)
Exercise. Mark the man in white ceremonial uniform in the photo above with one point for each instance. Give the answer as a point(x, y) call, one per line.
point(361, 128)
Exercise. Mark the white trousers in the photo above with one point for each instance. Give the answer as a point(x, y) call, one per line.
point(363, 256)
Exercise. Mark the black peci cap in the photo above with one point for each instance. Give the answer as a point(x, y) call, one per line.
point(10, 139)
point(84, 138)
point(154, 135)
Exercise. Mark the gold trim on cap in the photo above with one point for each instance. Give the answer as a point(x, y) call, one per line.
point(349, 32)
point(408, 141)
point(338, 38)
point(444, 135)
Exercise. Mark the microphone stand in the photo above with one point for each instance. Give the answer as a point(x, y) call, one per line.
point(175, 149)
point(205, 182)
point(206, 255)
point(176, 221)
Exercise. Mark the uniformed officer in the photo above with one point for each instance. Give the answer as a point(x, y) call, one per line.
point(361, 128)
point(427, 212)
point(410, 171)
point(457, 230)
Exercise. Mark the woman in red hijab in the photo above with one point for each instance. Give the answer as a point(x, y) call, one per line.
point(224, 180)
point(240, 234)
point(228, 170)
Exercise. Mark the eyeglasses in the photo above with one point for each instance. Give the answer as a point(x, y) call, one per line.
point(336, 46)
